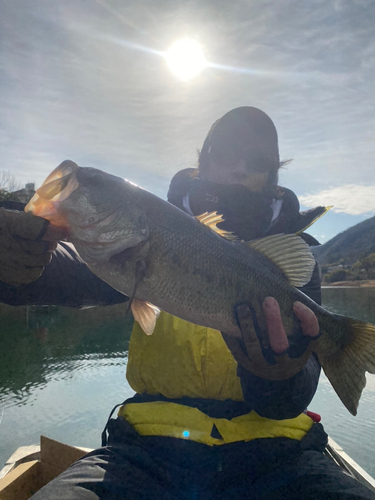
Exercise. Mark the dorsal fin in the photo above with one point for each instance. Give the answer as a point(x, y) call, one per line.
point(290, 254)
point(211, 219)
point(320, 213)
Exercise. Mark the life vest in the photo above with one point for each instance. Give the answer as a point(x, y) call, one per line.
point(179, 360)
point(161, 418)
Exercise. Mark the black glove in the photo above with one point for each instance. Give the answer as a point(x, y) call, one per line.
point(262, 356)
point(23, 255)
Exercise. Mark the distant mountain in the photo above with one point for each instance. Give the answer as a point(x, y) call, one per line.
point(350, 246)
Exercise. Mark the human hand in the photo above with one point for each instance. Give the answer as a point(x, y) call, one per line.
point(23, 255)
point(277, 357)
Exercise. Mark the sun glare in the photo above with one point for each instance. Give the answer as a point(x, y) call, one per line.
point(185, 59)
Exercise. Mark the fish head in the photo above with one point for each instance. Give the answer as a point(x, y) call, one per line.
point(98, 210)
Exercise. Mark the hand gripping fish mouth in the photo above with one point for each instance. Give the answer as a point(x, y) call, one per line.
point(68, 200)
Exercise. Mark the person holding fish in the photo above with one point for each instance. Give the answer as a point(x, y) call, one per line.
point(207, 422)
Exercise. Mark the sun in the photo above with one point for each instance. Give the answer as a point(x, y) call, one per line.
point(185, 59)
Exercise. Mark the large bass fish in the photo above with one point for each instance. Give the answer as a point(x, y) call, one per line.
point(159, 256)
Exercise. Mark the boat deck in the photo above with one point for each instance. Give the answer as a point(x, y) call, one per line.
point(31, 467)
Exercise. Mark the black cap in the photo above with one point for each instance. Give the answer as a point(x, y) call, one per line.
point(243, 133)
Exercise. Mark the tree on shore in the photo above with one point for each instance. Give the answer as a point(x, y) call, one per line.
point(9, 186)
point(368, 264)
point(8, 182)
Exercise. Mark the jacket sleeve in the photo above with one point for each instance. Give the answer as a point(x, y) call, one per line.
point(281, 399)
point(66, 281)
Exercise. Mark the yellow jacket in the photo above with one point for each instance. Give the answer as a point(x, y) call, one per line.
point(181, 359)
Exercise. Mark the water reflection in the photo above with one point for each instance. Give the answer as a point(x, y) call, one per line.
point(354, 434)
point(35, 342)
point(61, 372)
point(356, 302)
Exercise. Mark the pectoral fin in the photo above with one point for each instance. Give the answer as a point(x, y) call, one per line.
point(146, 314)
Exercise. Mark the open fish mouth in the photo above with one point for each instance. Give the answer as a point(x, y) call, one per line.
point(56, 188)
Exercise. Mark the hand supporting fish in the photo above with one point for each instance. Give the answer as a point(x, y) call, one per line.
point(275, 357)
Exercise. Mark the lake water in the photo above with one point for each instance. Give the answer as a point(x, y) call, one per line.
point(63, 370)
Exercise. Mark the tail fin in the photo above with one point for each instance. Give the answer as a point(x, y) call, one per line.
point(346, 368)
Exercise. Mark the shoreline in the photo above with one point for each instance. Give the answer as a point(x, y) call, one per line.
point(351, 284)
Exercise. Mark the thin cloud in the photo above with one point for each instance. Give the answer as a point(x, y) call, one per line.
point(349, 199)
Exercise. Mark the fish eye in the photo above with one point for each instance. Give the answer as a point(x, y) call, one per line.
point(91, 220)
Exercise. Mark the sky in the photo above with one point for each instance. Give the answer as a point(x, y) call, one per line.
point(87, 80)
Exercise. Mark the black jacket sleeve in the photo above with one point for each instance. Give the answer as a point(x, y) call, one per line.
point(281, 399)
point(66, 281)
